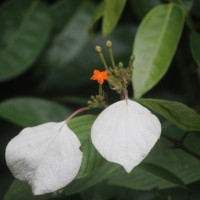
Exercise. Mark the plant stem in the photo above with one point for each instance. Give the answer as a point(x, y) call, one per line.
point(111, 57)
point(100, 90)
point(76, 112)
point(99, 51)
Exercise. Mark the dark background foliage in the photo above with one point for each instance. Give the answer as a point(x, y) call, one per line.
point(47, 56)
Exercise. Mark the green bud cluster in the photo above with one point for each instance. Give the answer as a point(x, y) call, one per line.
point(119, 76)
point(97, 101)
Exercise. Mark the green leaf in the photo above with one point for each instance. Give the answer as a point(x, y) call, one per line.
point(24, 45)
point(138, 179)
point(91, 158)
point(177, 161)
point(195, 46)
point(99, 175)
point(112, 13)
point(192, 142)
point(155, 45)
point(22, 191)
point(177, 113)
point(70, 41)
point(94, 169)
point(101, 191)
point(105, 191)
point(32, 111)
point(162, 173)
point(181, 164)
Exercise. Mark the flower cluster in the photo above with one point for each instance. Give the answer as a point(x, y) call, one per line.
point(48, 156)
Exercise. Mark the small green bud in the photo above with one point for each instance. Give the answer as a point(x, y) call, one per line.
point(98, 49)
point(109, 43)
point(121, 65)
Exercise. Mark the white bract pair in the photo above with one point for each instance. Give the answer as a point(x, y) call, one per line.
point(48, 156)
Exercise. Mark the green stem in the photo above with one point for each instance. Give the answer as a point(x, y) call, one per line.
point(111, 57)
point(99, 51)
point(100, 90)
point(103, 60)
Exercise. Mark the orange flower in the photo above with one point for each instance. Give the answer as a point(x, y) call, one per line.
point(100, 76)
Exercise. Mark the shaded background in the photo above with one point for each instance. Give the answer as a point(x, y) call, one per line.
point(56, 56)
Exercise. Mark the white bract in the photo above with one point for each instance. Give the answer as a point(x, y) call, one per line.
point(125, 132)
point(46, 156)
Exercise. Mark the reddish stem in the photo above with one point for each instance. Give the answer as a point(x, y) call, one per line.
point(76, 112)
point(126, 95)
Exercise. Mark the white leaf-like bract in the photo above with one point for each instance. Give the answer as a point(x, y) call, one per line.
point(46, 156)
point(125, 132)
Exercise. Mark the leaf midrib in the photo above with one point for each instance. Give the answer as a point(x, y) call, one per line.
point(159, 43)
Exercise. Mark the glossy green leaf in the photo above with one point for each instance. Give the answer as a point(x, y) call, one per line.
point(102, 191)
point(22, 191)
point(68, 43)
point(25, 44)
point(32, 111)
point(162, 173)
point(178, 161)
point(179, 114)
point(192, 142)
point(94, 168)
point(195, 46)
point(105, 191)
point(155, 45)
point(181, 164)
point(139, 179)
point(99, 175)
point(91, 158)
point(112, 13)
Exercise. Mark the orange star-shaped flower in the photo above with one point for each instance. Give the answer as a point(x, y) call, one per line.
point(100, 76)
